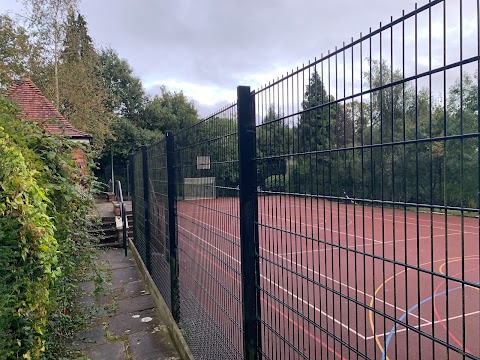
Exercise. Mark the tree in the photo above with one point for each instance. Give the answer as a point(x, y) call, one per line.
point(316, 135)
point(273, 141)
point(315, 124)
point(18, 55)
point(169, 111)
point(78, 44)
point(47, 19)
point(126, 139)
point(125, 93)
point(217, 139)
point(460, 170)
point(82, 96)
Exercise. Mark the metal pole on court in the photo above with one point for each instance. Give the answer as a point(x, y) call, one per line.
point(131, 170)
point(248, 223)
point(146, 208)
point(113, 175)
point(172, 228)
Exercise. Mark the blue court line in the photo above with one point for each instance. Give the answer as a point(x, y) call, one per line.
point(392, 331)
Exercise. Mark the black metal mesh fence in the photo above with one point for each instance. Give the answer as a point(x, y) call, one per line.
point(158, 203)
point(208, 236)
point(360, 237)
point(138, 207)
point(368, 163)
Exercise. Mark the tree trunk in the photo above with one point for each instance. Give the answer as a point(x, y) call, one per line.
point(56, 41)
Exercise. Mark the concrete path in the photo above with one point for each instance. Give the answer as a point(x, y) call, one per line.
point(104, 208)
point(125, 323)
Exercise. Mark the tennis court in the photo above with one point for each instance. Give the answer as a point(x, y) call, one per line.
point(334, 211)
point(340, 280)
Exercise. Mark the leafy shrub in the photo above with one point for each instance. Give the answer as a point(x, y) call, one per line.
point(28, 261)
point(44, 237)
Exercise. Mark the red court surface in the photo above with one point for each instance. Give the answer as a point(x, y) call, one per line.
point(339, 280)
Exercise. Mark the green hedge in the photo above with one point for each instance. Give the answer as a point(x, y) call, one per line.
point(44, 238)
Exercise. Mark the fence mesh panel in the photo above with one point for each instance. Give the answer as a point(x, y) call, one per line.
point(368, 195)
point(208, 237)
point(158, 202)
point(368, 164)
point(138, 207)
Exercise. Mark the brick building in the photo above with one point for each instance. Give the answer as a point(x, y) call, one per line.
point(37, 108)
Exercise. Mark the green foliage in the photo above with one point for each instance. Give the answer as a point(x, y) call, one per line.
point(125, 93)
point(316, 128)
point(28, 261)
point(273, 139)
point(170, 111)
point(275, 183)
point(77, 44)
point(127, 139)
point(437, 171)
point(81, 93)
point(18, 55)
point(44, 222)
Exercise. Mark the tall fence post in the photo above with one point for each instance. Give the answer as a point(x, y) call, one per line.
point(146, 209)
point(131, 170)
point(172, 226)
point(248, 223)
point(131, 176)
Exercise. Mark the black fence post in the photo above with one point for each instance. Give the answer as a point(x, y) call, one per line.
point(128, 180)
point(131, 171)
point(131, 176)
point(146, 209)
point(172, 226)
point(248, 223)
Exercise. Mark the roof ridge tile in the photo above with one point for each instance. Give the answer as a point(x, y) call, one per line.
point(35, 106)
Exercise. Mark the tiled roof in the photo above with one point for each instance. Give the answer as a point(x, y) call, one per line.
point(36, 107)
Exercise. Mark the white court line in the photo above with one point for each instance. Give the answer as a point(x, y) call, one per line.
point(313, 226)
point(314, 308)
point(399, 219)
point(220, 251)
point(367, 214)
point(345, 285)
point(426, 324)
point(350, 222)
point(304, 267)
point(399, 222)
point(269, 281)
point(332, 248)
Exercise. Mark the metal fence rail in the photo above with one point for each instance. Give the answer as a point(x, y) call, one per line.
point(158, 210)
point(208, 242)
point(333, 213)
point(138, 205)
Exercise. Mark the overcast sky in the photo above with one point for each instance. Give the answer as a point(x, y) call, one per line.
point(208, 47)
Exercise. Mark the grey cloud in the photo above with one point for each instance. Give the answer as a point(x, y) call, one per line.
point(222, 42)
point(207, 110)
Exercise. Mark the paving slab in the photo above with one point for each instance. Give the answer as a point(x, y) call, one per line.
point(87, 286)
point(124, 322)
point(111, 351)
point(115, 261)
point(136, 288)
point(104, 207)
point(89, 337)
point(86, 301)
point(151, 345)
point(133, 322)
point(132, 304)
point(126, 275)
